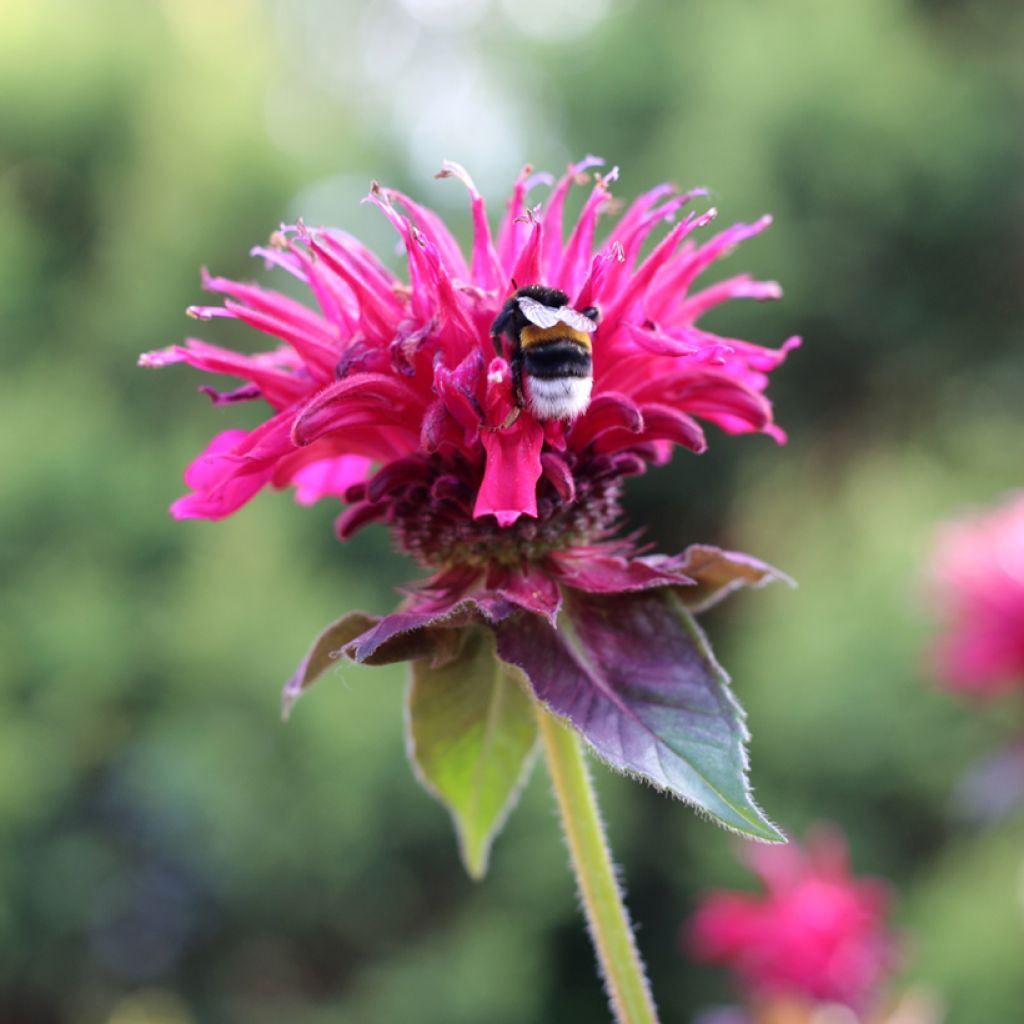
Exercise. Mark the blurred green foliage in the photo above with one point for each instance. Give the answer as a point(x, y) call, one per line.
point(169, 852)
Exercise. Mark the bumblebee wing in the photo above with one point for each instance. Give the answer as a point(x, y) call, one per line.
point(576, 320)
point(538, 314)
point(545, 316)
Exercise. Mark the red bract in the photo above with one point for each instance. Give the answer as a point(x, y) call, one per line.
point(977, 573)
point(815, 932)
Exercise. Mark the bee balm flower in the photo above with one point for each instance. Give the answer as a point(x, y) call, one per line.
point(816, 932)
point(401, 398)
point(977, 574)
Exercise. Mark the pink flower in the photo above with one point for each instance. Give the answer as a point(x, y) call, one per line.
point(489, 410)
point(390, 396)
point(815, 932)
point(977, 575)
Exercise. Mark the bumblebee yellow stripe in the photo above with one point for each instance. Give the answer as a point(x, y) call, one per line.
point(532, 335)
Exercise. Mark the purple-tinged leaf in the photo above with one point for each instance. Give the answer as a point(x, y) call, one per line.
point(718, 573)
point(636, 678)
point(614, 574)
point(471, 732)
point(322, 655)
point(370, 640)
point(407, 635)
point(427, 630)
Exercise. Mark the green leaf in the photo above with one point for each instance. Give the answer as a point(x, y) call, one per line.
point(471, 732)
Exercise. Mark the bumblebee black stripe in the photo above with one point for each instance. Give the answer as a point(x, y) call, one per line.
point(557, 359)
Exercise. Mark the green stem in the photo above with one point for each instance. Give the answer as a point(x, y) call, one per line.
point(606, 914)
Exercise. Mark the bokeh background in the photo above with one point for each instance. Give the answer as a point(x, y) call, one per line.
point(170, 853)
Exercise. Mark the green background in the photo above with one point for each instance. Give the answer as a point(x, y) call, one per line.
point(169, 851)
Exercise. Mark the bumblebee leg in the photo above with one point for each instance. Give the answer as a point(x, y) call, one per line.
point(509, 419)
point(516, 365)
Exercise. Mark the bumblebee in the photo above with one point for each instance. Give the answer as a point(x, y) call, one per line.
point(550, 358)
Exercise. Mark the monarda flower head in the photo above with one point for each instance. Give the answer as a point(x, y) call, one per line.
point(489, 411)
point(977, 584)
point(817, 934)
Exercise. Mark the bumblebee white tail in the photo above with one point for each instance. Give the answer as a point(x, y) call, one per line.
point(558, 398)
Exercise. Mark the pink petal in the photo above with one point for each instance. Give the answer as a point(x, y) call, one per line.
point(527, 269)
point(335, 299)
point(683, 341)
point(329, 478)
point(282, 310)
point(486, 269)
point(512, 232)
point(576, 258)
point(433, 295)
point(609, 410)
point(741, 287)
point(378, 309)
point(459, 392)
point(363, 398)
point(318, 348)
point(636, 226)
point(631, 298)
point(663, 423)
point(279, 385)
point(435, 229)
point(553, 231)
point(513, 466)
point(721, 245)
point(234, 466)
point(711, 395)
point(555, 469)
point(592, 290)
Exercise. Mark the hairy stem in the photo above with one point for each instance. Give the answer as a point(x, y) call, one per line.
point(606, 914)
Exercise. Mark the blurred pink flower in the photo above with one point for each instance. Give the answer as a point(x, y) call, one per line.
point(977, 575)
point(816, 932)
point(390, 396)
